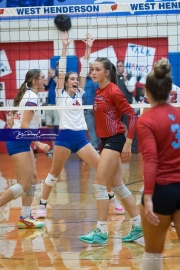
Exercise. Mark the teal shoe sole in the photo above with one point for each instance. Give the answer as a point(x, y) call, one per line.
point(94, 241)
point(133, 238)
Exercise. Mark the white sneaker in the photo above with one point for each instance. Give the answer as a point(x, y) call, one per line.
point(41, 211)
point(118, 209)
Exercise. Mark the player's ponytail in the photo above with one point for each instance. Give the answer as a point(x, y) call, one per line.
point(31, 75)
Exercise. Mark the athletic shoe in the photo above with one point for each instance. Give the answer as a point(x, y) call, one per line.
point(118, 209)
point(95, 237)
point(50, 153)
point(29, 223)
point(41, 211)
point(135, 233)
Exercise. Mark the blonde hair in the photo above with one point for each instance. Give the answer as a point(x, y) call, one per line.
point(159, 81)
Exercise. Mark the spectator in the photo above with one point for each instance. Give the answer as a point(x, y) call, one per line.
point(126, 83)
point(52, 116)
point(88, 99)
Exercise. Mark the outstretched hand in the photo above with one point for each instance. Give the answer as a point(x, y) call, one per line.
point(65, 38)
point(51, 72)
point(89, 40)
point(43, 146)
point(150, 216)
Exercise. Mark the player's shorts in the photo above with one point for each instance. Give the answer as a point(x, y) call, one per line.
point(51, 117)
point(71, 139)
point(115, 142)
point(15, 147)
point(166, 199)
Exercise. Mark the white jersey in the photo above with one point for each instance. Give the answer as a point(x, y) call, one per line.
point(71, 119)
point(29, 99)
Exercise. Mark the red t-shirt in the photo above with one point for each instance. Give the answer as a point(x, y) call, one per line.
point(158, 131)
point(109, 105)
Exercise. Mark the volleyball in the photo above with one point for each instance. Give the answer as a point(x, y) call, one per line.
point(62, 22)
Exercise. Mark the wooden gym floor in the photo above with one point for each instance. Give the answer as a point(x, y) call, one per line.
point(72, 212)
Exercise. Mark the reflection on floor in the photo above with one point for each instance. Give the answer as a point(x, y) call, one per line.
point(72, 212)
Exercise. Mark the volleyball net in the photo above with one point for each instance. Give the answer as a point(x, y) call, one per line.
point(137, 32)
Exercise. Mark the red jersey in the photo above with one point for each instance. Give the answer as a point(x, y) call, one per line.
point(158, 131)
point(109, 105)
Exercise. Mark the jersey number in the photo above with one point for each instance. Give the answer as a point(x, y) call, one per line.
point(176, 128)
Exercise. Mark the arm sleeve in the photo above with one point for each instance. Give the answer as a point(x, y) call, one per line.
point(149, 151)
point(62, 65)
point(84, 68)
point(124, 108)
point(32, 102)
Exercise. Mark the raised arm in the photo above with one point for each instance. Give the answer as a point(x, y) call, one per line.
point(51, 75)
point(62, 62)
point(85, 63)
point(130, 84)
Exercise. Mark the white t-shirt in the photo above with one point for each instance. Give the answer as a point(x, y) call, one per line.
point(71, 119)
point(29, 99)
point(177, 90)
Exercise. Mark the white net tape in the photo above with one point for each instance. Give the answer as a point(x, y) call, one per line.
point(84, 107)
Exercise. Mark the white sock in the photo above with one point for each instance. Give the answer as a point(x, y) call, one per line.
point(151, 261)
point(26, 211)
point(136, 221)
point(43, 201)
point(102, 225)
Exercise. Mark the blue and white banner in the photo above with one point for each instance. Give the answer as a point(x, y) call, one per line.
point(47, 8)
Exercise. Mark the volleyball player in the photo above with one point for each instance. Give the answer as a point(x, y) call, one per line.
point(72, 135)
point(158, 132)
point(21, 152)
point(109, 105)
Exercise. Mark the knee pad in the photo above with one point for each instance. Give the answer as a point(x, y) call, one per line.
point(50, 180)
point(122, 191)
point(17, 190)
point(100, 192)
point(31, 191)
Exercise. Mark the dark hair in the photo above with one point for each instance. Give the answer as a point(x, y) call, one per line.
point(30, 76)
point(108, 66)
point(159, 81)
point(120, 61)
point(67, 77)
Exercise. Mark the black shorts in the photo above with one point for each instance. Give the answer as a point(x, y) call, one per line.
point(166, 199)
point(115, 142)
